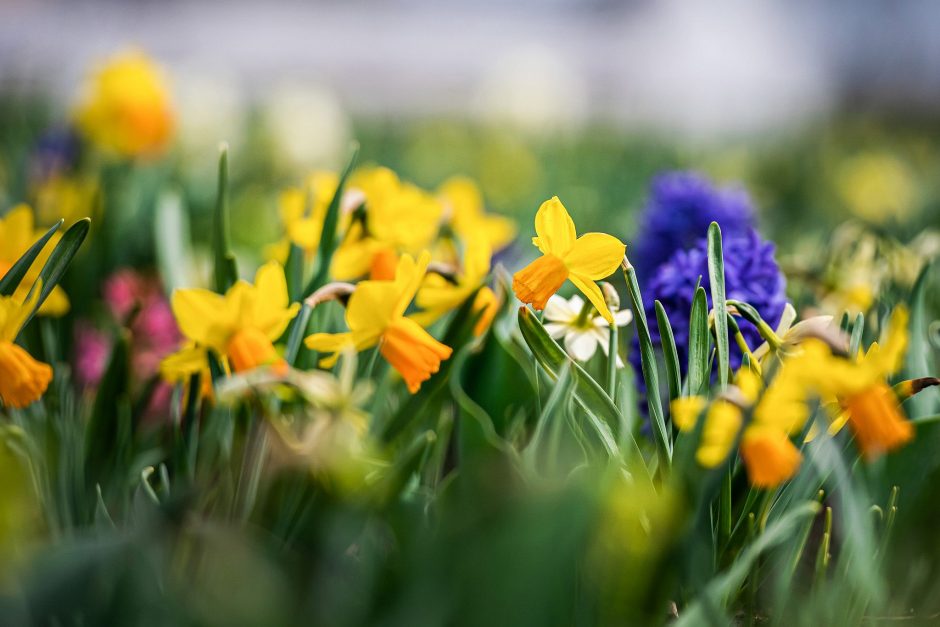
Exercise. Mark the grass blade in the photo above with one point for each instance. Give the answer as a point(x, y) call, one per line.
point(60, 259)
point(225, 269)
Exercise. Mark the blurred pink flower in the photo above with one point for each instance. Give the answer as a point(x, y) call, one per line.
point(92, 349)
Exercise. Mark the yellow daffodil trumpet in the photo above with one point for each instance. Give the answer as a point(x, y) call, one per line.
point(565, 256)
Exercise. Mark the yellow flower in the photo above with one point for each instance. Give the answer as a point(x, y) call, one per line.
point(375, 315)
point(303, 211)
point(769, 456)
point(399, 218)
point(242, 325)
point(438, 295)
point(877, 186)
point(583, 260)
point(22, 379)
point(464, 203)
point(126, 107)
point(17, 234)
point(68, 198)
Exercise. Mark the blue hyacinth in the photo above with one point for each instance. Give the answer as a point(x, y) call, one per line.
point(680, 208)
point(670, 256)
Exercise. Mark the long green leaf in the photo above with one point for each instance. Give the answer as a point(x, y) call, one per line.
point(60, 259)
point(650, 370)
point(670, 353)
point(11, 280)
point(699, 343)
point(917, 361)
point(716, 275)
point(603, 415)
point(328, 241)
point(225, 268)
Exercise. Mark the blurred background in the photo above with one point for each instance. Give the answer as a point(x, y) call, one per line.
point(799, 101)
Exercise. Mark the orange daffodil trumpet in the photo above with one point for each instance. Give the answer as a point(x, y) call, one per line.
point(240, 326)
point(565, 256)
point(375, 315)
point(22, 379)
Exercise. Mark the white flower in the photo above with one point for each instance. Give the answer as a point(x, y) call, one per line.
point(789, 333)
point(582, 335)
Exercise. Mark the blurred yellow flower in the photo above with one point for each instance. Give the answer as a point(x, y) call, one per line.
point(399, 218)
point(302, 212)
point(17, 234)
point(876, 187)
point(240, 326)
point(467, 216)
point(126, 107)
point(438, 294)
point(22, 379)
point(65, 197)
point(583, 260)
point(375, 315)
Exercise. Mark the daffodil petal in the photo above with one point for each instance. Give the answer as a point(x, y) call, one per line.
point(590, 289)
point(595, 255)
point(197, 312)
point(555, 228)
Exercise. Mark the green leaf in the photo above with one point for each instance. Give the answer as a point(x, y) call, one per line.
point(172, 241)
point(716, 275)
point(699, 344)
point(294, 272)
point(11, 280)
point(725, 585)
point(855, 340)
point(408, 461)
point(60, 259)
point(670, 353)
point(225, 268)
point(328, 241)
point(102, 435)
point(649, 367)
point(917, 361)
point(602, 414)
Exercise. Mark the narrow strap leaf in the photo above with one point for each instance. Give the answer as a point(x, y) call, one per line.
point(670, 353)
point(716, 275)
point(59, 260)
point(328, 241)
point(699, 344)
point(14, 276)
point(225, 268)
point(649, 367)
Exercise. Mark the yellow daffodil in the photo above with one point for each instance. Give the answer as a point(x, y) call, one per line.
point(375, 315)
point(438, 294)
point(867, 403)
point(242, 325)
point(22, 379)
point(583, 260)
point(126, 107)
point(399, 218)
point(17, 234)
point(302, 213)
point(463, 203)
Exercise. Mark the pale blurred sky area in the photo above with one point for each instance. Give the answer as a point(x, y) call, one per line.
point(717, 68)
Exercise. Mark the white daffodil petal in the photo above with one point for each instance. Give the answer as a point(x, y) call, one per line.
point(581, 345)
point(557, 329)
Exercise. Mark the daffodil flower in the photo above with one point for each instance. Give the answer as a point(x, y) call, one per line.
point(465, 212)
point(438, 295)
point(375, 315)
point(17, 234)
point(22, 379)
point(126, 107)
point(583, 331)
point(399, 218)
point(242, 325)
point(583, 260)
point(303, 212)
